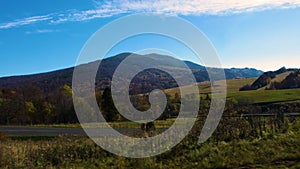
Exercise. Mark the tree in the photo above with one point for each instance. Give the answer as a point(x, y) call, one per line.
point(65, 112)
point(98, 96)
point(10, 105)
point(48, 115)
point(108, 108)
point(30, 111)
point(87, 112)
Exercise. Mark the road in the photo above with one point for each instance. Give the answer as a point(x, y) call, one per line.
point(42, 131)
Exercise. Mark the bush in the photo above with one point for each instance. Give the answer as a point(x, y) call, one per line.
point(2, 136)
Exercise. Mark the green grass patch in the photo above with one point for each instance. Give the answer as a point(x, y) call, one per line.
point(28, 137)
point(160, 124)
point(267, 96)
point(56, 125)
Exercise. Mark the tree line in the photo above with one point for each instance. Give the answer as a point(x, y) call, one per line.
point(31, 105)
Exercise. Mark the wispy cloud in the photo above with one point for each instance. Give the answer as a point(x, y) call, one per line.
point(198, 7)
point(25, 21)
point(105, 9)
point(40, 31)
point(74, 15)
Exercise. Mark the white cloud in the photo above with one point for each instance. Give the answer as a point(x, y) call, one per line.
point(105, 9)
point(73, 16)
point(40, 31)
point(25, 21)
point(198, 7)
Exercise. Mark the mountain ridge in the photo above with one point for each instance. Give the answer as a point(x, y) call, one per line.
point(49, 81)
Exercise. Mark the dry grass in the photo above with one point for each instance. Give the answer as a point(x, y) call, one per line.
point(233, 85)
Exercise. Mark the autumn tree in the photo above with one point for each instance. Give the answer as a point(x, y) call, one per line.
point(9, 106)
point(65, 105)
point(30, 111)
point(108, 108)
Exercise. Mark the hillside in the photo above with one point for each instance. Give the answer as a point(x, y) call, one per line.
point(280, 79)
point(154, 78)
point(233, 85)
point(290, 82)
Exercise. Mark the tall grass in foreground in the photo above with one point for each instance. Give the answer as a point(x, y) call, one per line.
point(273, 151)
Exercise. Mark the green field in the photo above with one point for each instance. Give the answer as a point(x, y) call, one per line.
point(256, 96)
point(267, 96)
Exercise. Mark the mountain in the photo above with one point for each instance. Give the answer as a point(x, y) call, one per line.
point(153, 78)
point(281, 79)
point(290, 82)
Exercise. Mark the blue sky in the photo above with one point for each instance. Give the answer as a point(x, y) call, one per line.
point(38, 36)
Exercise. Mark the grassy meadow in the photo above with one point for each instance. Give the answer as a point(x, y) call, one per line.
point(267, 96)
